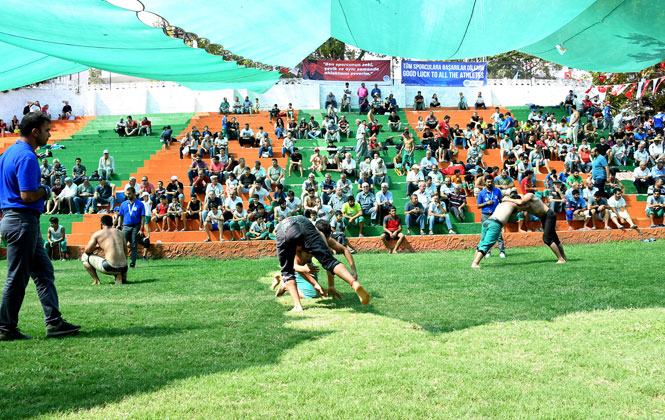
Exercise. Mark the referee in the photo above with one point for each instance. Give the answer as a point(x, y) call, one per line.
point(131, 218)
point(22, 201)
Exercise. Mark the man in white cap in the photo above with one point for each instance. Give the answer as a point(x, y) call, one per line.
point(106, 166)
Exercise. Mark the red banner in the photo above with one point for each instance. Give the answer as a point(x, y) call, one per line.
point(347, 71)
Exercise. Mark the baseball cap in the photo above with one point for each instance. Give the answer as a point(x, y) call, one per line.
point(316, 149)
point(174, 178)
point(106, 150)
point(415, 167)
point(144, 194)
point(265, 134)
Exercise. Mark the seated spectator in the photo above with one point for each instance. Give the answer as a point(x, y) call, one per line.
point(131, 127)
point(480, 101)
point(656, 150)
point(233, 129)
point(338, 227)
point(313, 129)
point(265, 146)
point(173, 214)
point(274, 112)
point(428, 164)
point(392, 230)
point(247, 106)
point(66, 113)
point(58, 171)
point(619, 212)
point(349, 166)
point(537, 159)
point(642, 155)
point(295, 162)
point(224, 107)
point(200, 182)
point(576, 209)
point(214, 222)
point(346, 103)
point(419, 102)
point(655, 208)
point(420, 126)
point(330, 101)
point(238, 223)
point(237, 106)
point(434, 102)
point(457, 203)
point(462, 104)
point(598, 209)
point(120, 128)
point(165, 138)
point(415, 214)
point(206, 147)
point(353, 214)
point(67, 196)
point(557, 198)
point(280, 128)
point(288, 144)
point(104, 194)
point(246, 137)
point(437, 213)
point(175, 190)
point(367, 200)
point(84, 196)
point(56, 238)
point(505, 183)
point(394, 122)
point(56, 189)
point(391, 104)
point(197, 164)
point(303, 129)
point(146, 127)
point(78, 171)
point(47, 171)
point(659, 171)
point(332, 131)
point(106, 167)
point(246, 180)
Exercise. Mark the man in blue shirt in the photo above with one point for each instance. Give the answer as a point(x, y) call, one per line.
point(376, 91)
point(131, 218)
point(607, 115)
point(487, 200)
point(658, 122)
point(22, 201)
point(600, 170)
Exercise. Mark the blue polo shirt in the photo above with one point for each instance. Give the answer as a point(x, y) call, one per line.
point(598, 168)
point(658, 120)
point(485, 196)
point(132, 213)
point(19, 171)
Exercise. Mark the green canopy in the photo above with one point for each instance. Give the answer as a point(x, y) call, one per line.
point(43, 39)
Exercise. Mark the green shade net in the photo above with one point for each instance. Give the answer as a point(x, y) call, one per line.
point(20, 67)
point(603, 35)
point(94, 33)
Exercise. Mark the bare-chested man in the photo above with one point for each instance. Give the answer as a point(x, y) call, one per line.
point(297, 233)
point(113, 243)
point(491, 230)
point(533, 205)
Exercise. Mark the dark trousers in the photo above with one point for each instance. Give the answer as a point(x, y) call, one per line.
point(600, 184)
point(26, 258)
point(299, 231)
point(131, 235)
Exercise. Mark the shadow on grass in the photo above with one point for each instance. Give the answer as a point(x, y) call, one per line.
point(111, 360)
point(441, 293)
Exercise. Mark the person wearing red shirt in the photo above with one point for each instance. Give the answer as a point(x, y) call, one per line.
point(444, 127)
point(3, 128)
point(392, 229)
point(146, 127)
point(160, 213)
point(525, 184)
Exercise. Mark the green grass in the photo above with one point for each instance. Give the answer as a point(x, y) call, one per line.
point(203, 339)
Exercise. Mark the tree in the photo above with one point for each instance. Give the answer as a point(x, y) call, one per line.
point(513, 62)
point(642, 105)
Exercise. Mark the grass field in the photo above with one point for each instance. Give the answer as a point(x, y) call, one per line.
point(205, 339)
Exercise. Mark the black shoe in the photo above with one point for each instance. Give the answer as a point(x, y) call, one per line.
point(62, 329)
point(132, 265)
point(13, 335)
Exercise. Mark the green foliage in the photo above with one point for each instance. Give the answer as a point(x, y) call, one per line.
point(95, 77)
point(512, 62)
point(205, 339)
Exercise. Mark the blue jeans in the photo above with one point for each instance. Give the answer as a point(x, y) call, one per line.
point(82, 200)
point(100, 200)
point(284, 150)
point(412, 219)
point(26, 257)
point(264, 149)
point(435, 219)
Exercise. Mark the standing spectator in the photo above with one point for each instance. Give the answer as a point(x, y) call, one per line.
point(132, 218)
point(607, 116)
point(392, 230)
point(362, 93)
point(106, 167)
point(488, 199)
point(22, 201)
point(600, 170)
point(415, 213)
point(330, 101)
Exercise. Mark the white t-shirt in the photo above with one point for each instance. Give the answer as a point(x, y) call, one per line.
point(349, 164)
point(231, 204)
point(612, 202)
point(293, 205)
point(652, 200)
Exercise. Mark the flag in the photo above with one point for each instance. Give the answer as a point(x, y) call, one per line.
point(639, 88)
point(629, 94)
point(617, 89)
point(516, 74)
point(656, 85)
point(561, 50)
point(602, 89)
point(601, 78)
point(589, 90)
point(568, 75)
point(644, 89)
